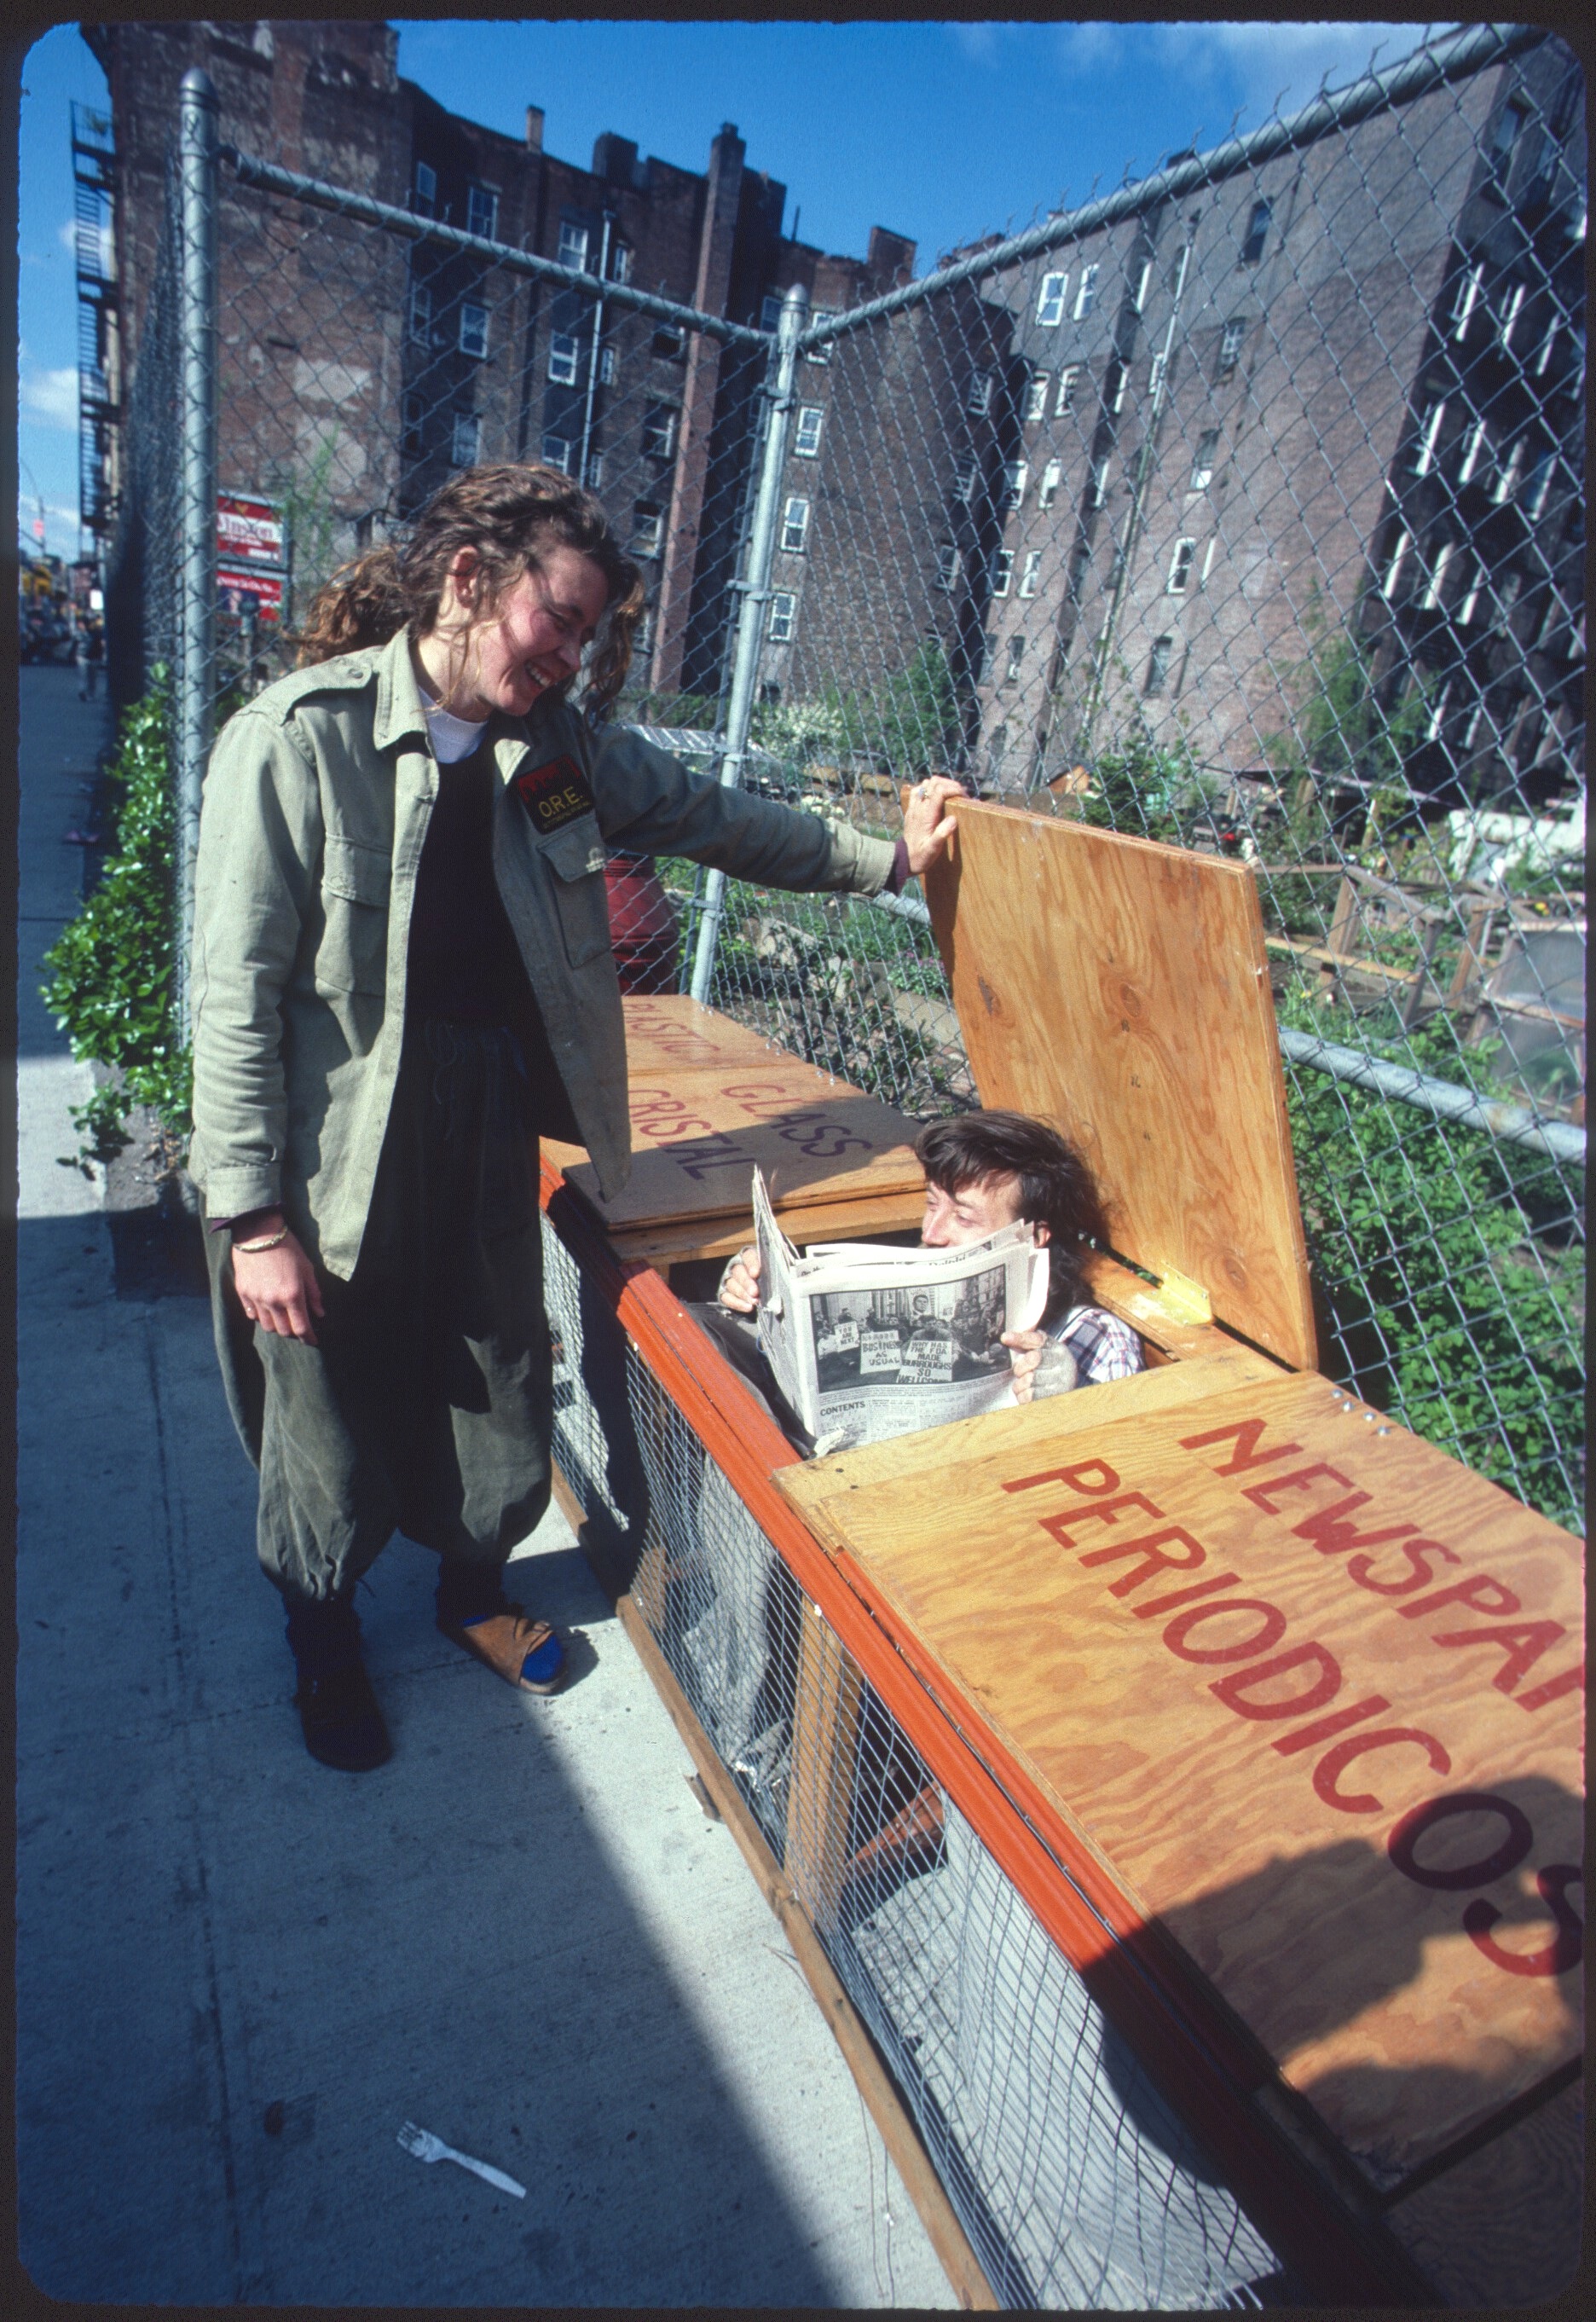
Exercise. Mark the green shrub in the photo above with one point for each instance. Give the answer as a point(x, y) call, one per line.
point(112, 969)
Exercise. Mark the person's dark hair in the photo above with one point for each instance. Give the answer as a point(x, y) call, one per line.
point(509, 514)
point(1056, 1186)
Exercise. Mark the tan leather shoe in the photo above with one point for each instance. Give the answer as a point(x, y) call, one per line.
point(511, 1644)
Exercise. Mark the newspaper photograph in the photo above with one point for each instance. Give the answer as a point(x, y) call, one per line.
point(867, 1342)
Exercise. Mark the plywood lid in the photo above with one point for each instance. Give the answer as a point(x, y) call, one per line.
point(1312, 1692)
point(1120, 989)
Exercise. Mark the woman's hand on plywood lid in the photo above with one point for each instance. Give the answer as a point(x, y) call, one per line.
point(926, 823)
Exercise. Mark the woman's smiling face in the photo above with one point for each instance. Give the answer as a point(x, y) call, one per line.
point(532, 640)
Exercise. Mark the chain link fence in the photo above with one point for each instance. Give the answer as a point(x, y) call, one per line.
point(1241, 508)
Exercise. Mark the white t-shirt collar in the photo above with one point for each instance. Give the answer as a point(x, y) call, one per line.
point(453, 737)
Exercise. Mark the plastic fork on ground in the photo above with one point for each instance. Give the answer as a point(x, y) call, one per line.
point(428, 2147)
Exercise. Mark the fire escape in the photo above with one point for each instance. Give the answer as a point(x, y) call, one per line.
point(94, 179)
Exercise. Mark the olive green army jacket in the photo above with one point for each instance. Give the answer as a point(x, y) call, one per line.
point(316, 811)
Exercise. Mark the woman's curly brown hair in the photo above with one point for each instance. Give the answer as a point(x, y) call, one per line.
point(509, 516)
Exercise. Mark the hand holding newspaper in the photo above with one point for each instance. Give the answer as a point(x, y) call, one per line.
point(867, 1341)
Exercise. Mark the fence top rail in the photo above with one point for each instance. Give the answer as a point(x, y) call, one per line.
point(268, 176)
point(1456, 57)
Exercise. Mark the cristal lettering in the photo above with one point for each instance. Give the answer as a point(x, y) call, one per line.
point(1099, 1512)
point(1403, 1842)
point(1570, 1681)
point(1246, 1433)
point(1237, 1690)
point(1150, 1546)
point(1328, 1530)
point(1157, 1604)
point(1261, 1497)
point(1325, 1729)
point(1567, 1946)
point(1328, 1773)
point(1523, 1641)
point(1478, 1592)
point(1418, 1575)
point(1273, 1630)
point(1108, 1481)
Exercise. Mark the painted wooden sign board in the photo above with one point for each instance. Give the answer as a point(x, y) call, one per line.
point(1121, 990)
point(709, 1101)
point(1309, 1690)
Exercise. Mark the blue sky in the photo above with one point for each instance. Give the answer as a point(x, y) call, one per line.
point(943, 132)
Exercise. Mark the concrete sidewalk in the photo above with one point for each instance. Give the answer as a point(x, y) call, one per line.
point(238, 1972)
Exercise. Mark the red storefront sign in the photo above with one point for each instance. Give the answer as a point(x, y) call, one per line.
point(234, 586)
point(250, 531)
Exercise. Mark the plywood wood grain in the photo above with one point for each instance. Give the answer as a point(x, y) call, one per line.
point(1409, 1982)
point(865, 1217)
point(1121, 990)
point(1502, 2227)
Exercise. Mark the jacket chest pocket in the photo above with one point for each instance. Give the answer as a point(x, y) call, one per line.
point(353, 953)
point(581, 903)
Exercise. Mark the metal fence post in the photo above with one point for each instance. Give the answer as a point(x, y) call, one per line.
point(756, 595)
point(196, 600)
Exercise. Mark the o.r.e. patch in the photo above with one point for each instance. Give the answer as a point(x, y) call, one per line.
point(554, 794)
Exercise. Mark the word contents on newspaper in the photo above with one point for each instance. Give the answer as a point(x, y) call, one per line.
point(867, 1343)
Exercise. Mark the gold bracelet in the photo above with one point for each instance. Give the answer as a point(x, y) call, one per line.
point(254, 1248)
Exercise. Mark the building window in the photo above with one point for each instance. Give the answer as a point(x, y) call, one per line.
point(783, 616)
point(1537, 484)
point(1016, 654)
point(806, 441)
point(659, 432)
point(1470, 604)
point(1510, 128)
point(1507, 481)
point(1393, 571)
point(1002, 571)
point(415, 413)
point(1155, 377)
point(949, 564)
point(473, 331)
point(1208, 559)
point(1015, 476)
point(1437, 714)
point(1202, 466)
point(642, 636)
point(978, 402)
point(1030, 572)
point(1179, 568)
point(1511, 313)
point(794, 526)
point(1424, 450)
point(573, 246)
point(423, 195)
point(648, 527)
point(1144, 283)
point(1050, 303)
point(1114, 385)
point(1065, 398)
point(1543, 360)
point(1230, 347)
point(1252, 249)
point(1051, 476)
point(1432, 595)
point(465, 446)
point(606, 366)
point(1037, 395)
point(1097, 489)
point(964, 476)
point(564, 359)
point(1473, 444)
point(668, 339)
point(821, 354)
point(594, 478)
point(620, 265)
point(1086, 298)
point(557, 450)
point(1158, 665)
point(769, 311)
point(421, 312)
point(482, 211)
point(1467, 299)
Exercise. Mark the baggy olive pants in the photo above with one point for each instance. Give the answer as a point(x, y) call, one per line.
point(426, 1405)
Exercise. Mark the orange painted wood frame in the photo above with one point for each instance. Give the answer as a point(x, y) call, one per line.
point(1191, 2048)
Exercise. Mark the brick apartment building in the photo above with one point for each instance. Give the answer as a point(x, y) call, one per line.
point(1128, 486)
point(357, 371)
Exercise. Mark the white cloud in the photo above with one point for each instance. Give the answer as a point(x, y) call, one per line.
point(1267, 61)
point(1089, 47)
point(51, 398)
point(68, 232)
point(980, 43)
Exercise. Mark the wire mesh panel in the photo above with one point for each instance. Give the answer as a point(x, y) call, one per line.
point(1245, 510)
point(1076, 2183)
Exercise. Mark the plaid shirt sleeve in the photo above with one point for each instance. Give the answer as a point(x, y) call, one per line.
point(1103, 1347)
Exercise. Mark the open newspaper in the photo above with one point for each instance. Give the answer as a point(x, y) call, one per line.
point(868, 1341)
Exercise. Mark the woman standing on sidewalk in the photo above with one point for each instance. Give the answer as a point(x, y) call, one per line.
point(402, 975)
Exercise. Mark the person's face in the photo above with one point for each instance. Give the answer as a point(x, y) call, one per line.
point(972, 1214)
point(533, 639)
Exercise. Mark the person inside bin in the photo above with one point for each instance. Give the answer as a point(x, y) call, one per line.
point(403, 974)
point(983, 1170)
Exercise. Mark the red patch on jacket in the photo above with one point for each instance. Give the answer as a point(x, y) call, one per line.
point(554, 794)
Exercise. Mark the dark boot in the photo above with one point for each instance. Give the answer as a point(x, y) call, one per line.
point(338, 1711)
